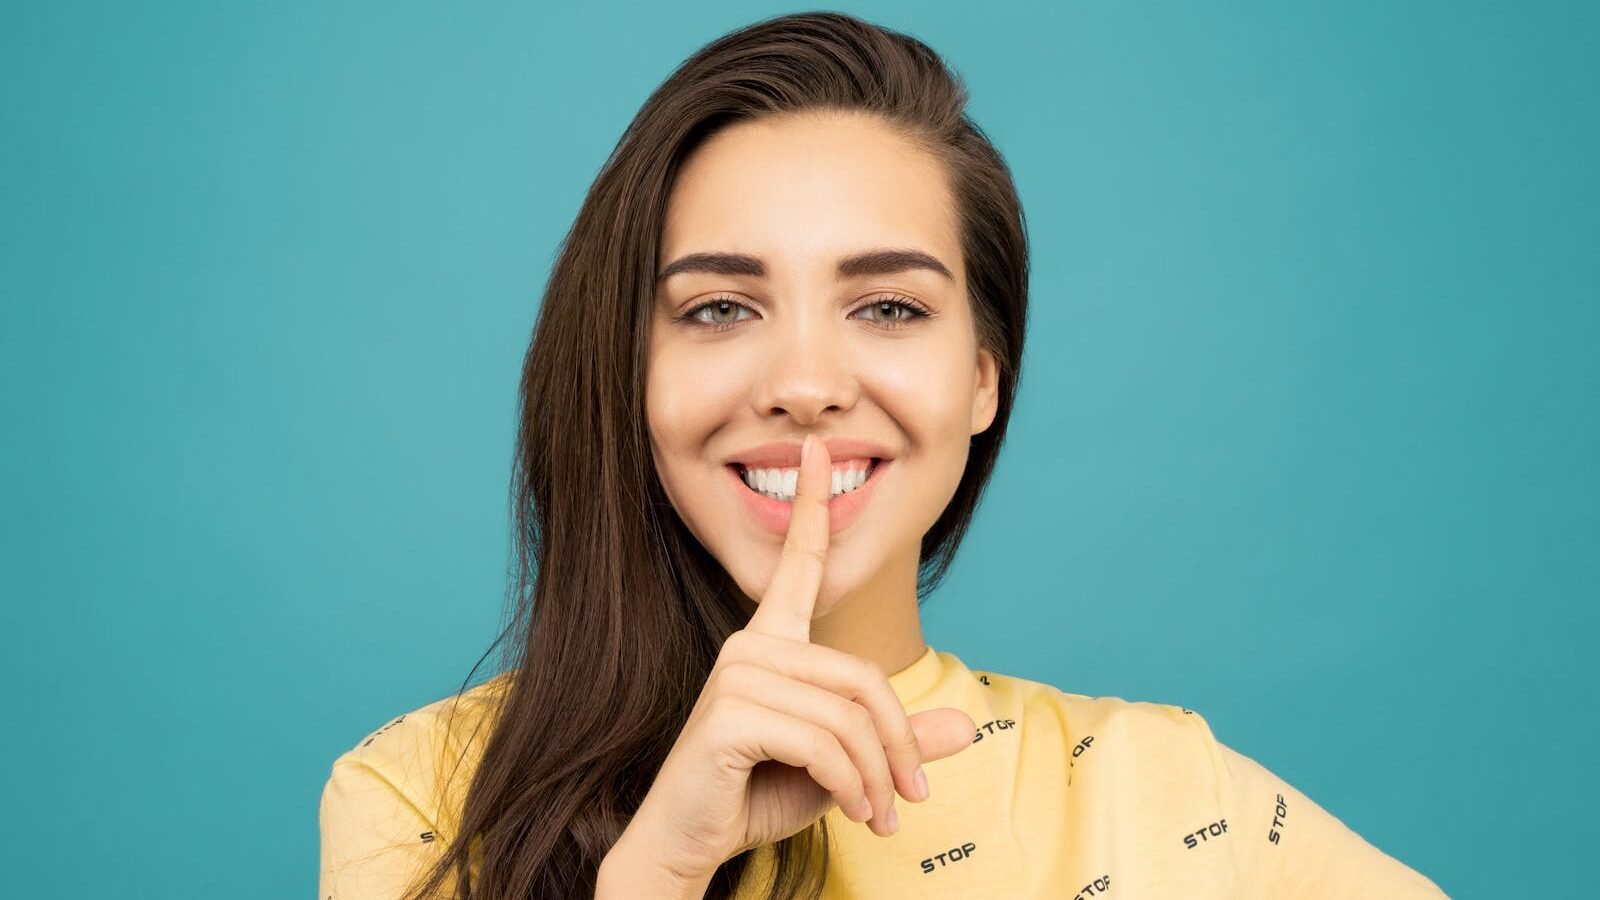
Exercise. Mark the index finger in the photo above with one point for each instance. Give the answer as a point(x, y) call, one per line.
point(785, 611)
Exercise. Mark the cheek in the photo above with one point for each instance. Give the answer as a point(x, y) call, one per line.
point(929, 397)
point(686, 399)
point(928, 394)
point(685, 405)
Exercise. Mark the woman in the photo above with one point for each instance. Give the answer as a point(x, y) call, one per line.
point(801, 257)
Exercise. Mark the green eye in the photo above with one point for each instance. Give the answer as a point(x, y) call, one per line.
point(906, 310)
point(721, 308)
point(718, 308)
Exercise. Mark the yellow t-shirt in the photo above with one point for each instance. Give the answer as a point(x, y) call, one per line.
point(1061, 795)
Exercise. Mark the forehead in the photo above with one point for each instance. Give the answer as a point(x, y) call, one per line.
point(803, 191)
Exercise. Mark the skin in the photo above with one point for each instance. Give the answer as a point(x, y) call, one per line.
point(811, 353)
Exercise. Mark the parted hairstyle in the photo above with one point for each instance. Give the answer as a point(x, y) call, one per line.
point(615, 612)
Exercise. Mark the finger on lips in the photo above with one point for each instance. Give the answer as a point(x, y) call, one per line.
point(786, 608)
point(823, 686)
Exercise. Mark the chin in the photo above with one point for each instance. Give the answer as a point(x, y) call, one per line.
point(834, 585)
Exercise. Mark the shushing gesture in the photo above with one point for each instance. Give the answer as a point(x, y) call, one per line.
point(784, 729)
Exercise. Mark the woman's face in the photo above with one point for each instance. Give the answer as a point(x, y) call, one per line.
point(807, 349)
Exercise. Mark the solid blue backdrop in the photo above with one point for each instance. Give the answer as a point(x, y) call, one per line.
point(1306, 436)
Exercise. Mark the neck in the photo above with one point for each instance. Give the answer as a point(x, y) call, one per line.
point(880, 621)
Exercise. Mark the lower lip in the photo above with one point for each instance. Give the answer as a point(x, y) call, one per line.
point(774, 515)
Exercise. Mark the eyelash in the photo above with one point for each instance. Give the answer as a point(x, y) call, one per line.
point(921, 312)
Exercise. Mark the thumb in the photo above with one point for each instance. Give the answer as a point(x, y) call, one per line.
point(943, 732)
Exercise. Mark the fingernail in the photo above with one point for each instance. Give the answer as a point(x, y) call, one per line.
point(805, 449)
point(892, 820)
point(920, 782)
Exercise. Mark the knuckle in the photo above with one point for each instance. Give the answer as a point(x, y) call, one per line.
point(720, 723)
point(908, 737)
point(735, 645)
point(857, 716)
point(849, 785)
point(880, 790)
point(882, 776)
point(823, 744)
point(870, 670)
point(720, 706)
point(726, 680)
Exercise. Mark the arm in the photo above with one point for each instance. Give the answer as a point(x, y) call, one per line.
point(1289, 847)
point(375, 842)
point(374, 838)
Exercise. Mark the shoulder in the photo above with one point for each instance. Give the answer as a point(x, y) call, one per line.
point(1138, 748)
point(390, 798)
point(1146, 723)
point(442, 722)
point(414, 755)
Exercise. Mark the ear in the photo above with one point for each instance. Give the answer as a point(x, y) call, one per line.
point(986, 393)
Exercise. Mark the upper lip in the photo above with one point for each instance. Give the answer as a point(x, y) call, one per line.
point(786, 454)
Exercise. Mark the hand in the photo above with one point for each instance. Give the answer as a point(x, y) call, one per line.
point(784, 729)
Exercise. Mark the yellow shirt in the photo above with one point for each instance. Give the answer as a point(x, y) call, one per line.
point(1061, 795)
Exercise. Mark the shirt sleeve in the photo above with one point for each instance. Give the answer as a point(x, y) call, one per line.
point(1289, 847)
point(375, 840)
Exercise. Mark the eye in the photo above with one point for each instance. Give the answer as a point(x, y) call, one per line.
point(907, 309)
point(903, 309)
point(718, 307)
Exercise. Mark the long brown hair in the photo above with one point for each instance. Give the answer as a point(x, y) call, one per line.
point(617, 613)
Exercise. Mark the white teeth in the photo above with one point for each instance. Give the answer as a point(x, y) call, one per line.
point(780, 484)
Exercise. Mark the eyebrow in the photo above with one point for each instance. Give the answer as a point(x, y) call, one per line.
point(872, 262)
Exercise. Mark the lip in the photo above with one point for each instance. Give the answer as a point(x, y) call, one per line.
point(786, 454)
point(773, 515)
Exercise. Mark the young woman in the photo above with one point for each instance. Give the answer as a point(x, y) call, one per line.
point(770, 378)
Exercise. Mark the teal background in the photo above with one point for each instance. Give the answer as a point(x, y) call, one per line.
point(1306, 439)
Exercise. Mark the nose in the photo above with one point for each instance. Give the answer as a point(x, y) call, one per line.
point(808, 371)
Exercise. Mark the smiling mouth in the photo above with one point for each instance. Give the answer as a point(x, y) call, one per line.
point(739, 468)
